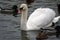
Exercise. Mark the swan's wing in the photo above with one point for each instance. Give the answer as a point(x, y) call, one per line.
point(40, 18)
point(56, 19)
point(39, 22)
point(40, 11)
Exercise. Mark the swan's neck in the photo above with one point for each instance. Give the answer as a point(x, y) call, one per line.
point(24, 19)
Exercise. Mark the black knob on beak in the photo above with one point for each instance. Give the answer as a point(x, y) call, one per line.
point(21, 8)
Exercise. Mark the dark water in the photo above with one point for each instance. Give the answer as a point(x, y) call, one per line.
point(9, 3)
point(10, 26)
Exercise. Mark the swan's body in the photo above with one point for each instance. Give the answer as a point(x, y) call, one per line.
point(40, 18)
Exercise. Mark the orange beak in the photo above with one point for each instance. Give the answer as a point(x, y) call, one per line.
point(19, 11)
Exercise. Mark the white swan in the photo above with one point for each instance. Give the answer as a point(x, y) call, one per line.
point(40, 18)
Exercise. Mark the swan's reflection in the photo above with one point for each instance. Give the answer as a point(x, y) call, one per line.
point(24, 35)
point(29, 35)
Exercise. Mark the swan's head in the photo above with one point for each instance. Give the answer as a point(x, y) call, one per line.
point(23, 8)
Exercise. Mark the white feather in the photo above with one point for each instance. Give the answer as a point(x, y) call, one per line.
point(56, 19)
point(40, 18)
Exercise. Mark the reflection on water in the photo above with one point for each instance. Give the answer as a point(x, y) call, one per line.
point(29, 35)
point(24, 35)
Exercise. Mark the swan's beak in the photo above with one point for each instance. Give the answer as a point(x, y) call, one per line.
point(20, 10)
